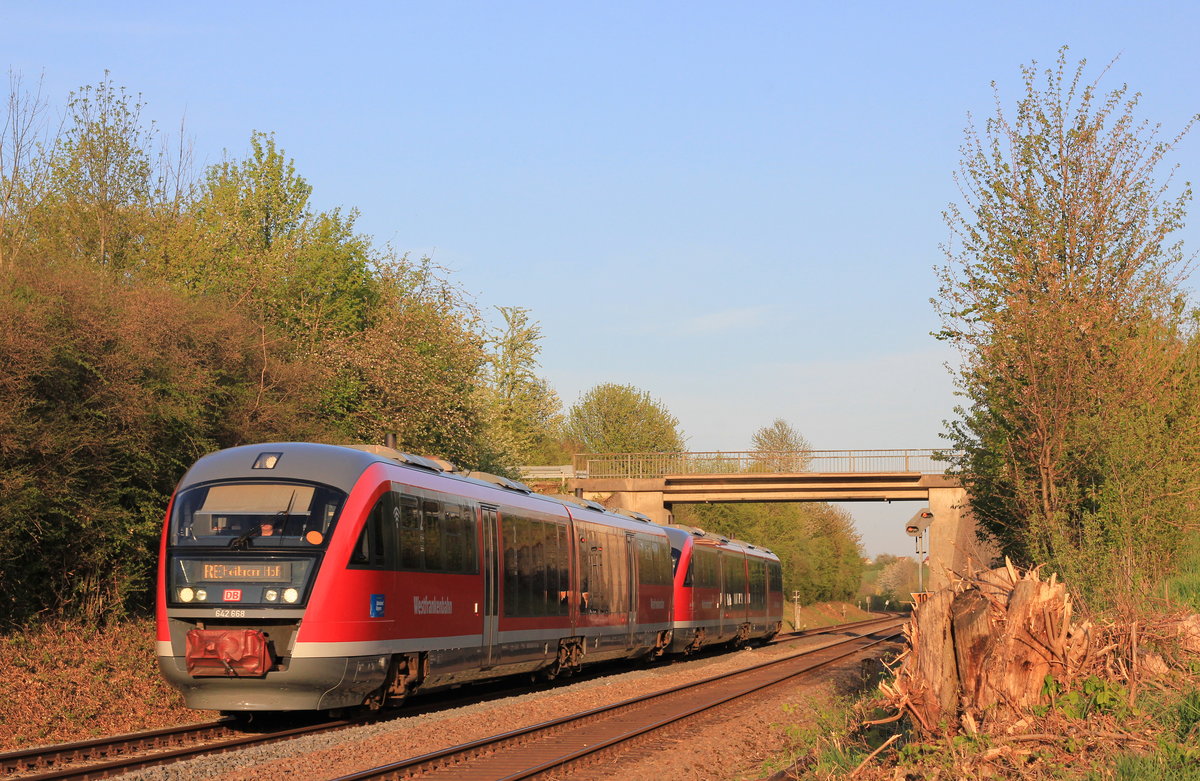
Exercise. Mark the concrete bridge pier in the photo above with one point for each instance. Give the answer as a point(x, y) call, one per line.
point(954, 546)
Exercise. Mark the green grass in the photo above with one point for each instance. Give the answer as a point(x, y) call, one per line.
point(1167, 764)
point(1185, 586)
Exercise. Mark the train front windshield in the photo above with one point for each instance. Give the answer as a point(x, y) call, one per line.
point(258, 516)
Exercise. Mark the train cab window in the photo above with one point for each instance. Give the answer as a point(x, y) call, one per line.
point(256, 514)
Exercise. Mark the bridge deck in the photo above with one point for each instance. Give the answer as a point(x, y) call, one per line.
point(777, 487)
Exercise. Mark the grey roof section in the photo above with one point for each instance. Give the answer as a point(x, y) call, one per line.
point(337, 466)
point(678, 534)
point(341, 466)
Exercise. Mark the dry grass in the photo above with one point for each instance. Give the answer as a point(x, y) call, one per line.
point(67, 681)
point(822, 614)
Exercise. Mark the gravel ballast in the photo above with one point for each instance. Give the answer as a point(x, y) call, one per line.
point(708, 747)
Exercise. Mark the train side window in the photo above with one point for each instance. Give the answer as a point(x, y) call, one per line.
point(454, 538)
point(412, 540)
point(541, 586)
point(653, 561)
point(525, 567)
point(509, 537)
point(584, 567)
point(370, 551)
point(775, 571)
point(622, 588)
point(432, 536)
point(601, 557)
point(734, 571)
point(562, 561)
point(758, 584)
point(470, 521)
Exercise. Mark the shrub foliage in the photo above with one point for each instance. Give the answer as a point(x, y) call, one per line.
point(1080, 362)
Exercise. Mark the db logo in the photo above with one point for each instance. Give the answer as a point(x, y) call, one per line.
point(232, 595)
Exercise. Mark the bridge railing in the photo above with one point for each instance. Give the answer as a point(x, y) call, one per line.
point(653, 465)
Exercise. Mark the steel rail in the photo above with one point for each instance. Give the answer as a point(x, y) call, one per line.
point(42, 757)
point(140, 750)
point(451, 762)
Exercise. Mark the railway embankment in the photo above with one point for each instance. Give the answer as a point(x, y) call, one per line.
point(732, 743)
point(68, 681)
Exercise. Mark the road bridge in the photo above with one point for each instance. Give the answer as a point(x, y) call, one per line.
point(652, 483)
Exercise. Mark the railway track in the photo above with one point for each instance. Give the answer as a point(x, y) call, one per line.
point(111, 756)
point(106, 757)
point(557, 745)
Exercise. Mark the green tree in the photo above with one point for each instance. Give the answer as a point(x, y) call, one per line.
point(612, 418)
point(22, 167)
point(780, 448)
point(257, 244)
point(416, 372)
point(146, 319)
point(100, 179)
point(112, 388)
point(1061, 292)
point(526, 412)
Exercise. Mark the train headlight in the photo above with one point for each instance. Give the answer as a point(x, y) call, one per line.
point(290, 595)
point(186, 594)
point(271, 594)
point(201, 594)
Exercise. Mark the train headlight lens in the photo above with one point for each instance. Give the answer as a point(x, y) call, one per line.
point(290, 595)
point(186, 594)
point(271, 594)
point(201, 594)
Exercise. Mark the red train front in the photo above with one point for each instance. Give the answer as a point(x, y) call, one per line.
point(726, 591)
point(300, 576)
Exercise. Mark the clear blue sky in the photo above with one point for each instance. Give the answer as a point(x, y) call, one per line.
point(735, 206)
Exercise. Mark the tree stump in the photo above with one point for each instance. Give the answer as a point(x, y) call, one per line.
point(981, 649)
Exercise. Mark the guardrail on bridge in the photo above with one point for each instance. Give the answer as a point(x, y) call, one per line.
point(655, 465)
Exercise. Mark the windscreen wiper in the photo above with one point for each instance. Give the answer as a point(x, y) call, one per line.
point(279, 519)
point(239, 542)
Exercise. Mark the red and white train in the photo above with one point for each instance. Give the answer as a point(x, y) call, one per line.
point(297, 576)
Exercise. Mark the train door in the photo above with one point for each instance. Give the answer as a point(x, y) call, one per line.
point(721, 594)
point(631, 607)
point(490, 597)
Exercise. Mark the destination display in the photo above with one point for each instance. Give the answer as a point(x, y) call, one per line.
point(240, 571)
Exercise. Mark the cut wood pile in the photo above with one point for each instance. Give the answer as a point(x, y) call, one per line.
point(1000, 655)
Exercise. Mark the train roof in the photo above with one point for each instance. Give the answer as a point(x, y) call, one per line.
point(341, 466)
point(679, 533)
